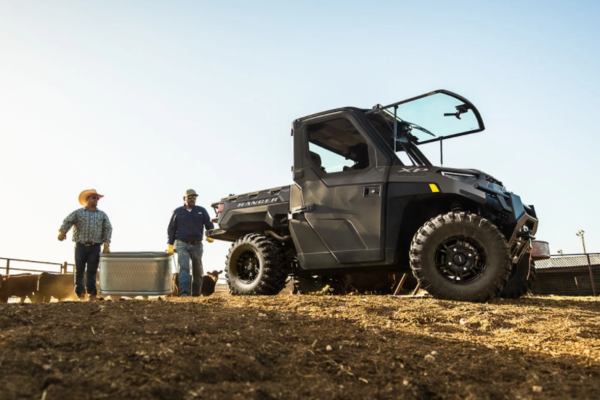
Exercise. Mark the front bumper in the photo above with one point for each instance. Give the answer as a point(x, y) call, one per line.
point(522, 235)
point(517, 221)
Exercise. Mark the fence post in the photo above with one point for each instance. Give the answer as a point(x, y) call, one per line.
point(64, 268)
point(591, 275)
point(7, 267)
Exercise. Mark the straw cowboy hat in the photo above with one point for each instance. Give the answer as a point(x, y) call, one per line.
point(87, 193)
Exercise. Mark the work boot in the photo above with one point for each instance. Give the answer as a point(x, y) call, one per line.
point(93, 297)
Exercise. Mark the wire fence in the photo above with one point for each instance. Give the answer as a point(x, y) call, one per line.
point(566, 283)
point(568, 275)
point(11, 262)
point(562, 274)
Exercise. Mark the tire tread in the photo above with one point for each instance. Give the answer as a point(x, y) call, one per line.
point(275, 271)
point(439, 221)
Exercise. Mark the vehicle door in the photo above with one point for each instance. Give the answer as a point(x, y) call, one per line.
point(337, 204)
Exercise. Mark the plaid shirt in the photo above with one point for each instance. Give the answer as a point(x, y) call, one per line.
point(90, 226)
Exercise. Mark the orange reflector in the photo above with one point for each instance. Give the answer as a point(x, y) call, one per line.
point(434, 188)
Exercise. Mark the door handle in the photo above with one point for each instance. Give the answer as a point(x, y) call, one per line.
point(371, 191)
point(301, 210)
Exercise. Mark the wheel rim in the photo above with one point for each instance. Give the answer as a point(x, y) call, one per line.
point(460, 259)
point(247, 267)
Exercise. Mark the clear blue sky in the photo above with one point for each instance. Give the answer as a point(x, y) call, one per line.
point(144, 99)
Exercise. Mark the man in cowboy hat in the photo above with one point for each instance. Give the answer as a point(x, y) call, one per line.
point(92, 228)
point(187, 227)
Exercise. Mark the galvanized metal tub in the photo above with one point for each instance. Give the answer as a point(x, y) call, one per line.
point(136, 274)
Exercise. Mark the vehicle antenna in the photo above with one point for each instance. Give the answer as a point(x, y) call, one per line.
point(395, 127)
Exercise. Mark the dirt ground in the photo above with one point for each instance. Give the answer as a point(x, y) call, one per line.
point(289, 347)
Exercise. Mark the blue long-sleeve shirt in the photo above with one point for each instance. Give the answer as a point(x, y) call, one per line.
point(188, 226)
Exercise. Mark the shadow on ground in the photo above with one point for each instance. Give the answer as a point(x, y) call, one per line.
point(291, 347)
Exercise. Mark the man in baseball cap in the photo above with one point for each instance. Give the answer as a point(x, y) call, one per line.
point(92, 228)
point(187, 227)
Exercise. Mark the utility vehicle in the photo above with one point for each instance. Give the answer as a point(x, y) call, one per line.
point(365, 199)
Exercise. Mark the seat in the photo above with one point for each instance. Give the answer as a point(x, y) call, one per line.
point(316, 159)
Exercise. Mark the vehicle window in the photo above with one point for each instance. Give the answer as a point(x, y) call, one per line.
point(336, 146)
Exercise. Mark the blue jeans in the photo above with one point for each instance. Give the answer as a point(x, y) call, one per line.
point(86, 256)
point(185, 252)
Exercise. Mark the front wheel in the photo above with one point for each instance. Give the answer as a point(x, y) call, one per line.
point(256, 265)
point(460, 256)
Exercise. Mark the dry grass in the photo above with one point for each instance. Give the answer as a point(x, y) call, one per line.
point(326, 347)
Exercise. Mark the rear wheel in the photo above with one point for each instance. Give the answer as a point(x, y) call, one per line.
point(256, 265)
point(521, 279)
point(460, 256)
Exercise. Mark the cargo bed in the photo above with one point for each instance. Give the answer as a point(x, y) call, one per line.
point(258, 211)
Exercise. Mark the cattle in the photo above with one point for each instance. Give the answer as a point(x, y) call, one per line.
point(61, 287)
point(175, 292)
point(208, 283)
point(22, 286)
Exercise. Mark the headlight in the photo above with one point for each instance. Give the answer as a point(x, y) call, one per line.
point(459, 176)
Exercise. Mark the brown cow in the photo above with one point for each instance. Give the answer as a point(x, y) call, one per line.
point(22, 286)
point(208, 283)
point(61, 287)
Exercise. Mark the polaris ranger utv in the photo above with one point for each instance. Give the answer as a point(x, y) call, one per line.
point(366, 199)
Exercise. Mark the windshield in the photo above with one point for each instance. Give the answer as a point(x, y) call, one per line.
point(432, 117)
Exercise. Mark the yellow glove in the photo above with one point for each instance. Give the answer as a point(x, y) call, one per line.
point(170, 250)
point(62, 235)
point(210, 240)
point(106, 249)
